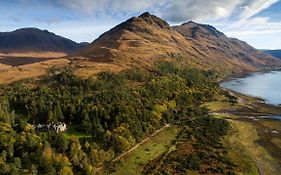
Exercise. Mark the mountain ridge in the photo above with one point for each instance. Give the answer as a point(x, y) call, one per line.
point(142, 40)
point(231, 47)
point(35, 39)
point(276, 53)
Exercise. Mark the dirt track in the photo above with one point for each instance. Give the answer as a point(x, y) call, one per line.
point(137, 145)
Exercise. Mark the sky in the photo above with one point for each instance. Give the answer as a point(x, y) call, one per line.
point(257, 22)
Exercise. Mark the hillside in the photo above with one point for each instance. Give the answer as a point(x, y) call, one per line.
point(34, 40)
point(142, 40)
point(140, 99)
point(275, 53)
point(215, 43)
point(3, 66)
point(138, 42)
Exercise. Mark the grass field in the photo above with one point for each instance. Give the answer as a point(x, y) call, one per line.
point(231, 108)
point(133, 162)
point(242, 143)
point(225, 115)
point(247, 154)
point(277, 142)
point(80, 135)
point(256, 104)
point(31, 70)
point(238, 146)
point(270, 109)
point(252, 145)
point(218, 106)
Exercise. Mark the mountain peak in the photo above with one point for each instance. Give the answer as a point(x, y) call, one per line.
point(142, 40)
point(27, 28)
point(141, 24)
point(34, 30)
point(152, 19)
point(189, 22)
point(194, 30)
point(145, 14)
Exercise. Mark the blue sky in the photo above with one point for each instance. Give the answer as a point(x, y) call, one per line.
point(257, 22)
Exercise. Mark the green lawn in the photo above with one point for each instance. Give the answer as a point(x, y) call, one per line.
point(71, 132)
point(218, 106)
point(225, 116)
point(133, 162)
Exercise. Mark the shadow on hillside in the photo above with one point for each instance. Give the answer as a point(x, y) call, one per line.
point(18, 61)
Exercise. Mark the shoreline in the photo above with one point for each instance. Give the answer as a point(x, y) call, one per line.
point(247, 73)
point(251, 111)
point(233, 77)
point(254, 113)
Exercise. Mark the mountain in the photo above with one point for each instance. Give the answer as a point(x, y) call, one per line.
point(275, 53)
point(142, 40)
point(33, 39)
point(209, 40)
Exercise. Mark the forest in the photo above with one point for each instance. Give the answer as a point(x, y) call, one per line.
point(105, 115)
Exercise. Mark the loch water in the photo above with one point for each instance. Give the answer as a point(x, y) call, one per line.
point(263, 85)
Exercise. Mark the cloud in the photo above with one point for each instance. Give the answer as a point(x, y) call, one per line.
point(264, 36)
point(87, 6)
point(254, 27)
point(259, 32)
point(203, 10)
point(248, 25)
point(255, 6)
point(108, 6)
point(86, 19)
point(173, 10)
point(180, 10)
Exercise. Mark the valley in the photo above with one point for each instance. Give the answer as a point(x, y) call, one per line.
point(144, 97)
point(103, 128)
point(19, 59)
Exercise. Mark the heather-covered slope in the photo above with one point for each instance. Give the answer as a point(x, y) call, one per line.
point(140, 41)
point(216, 44)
